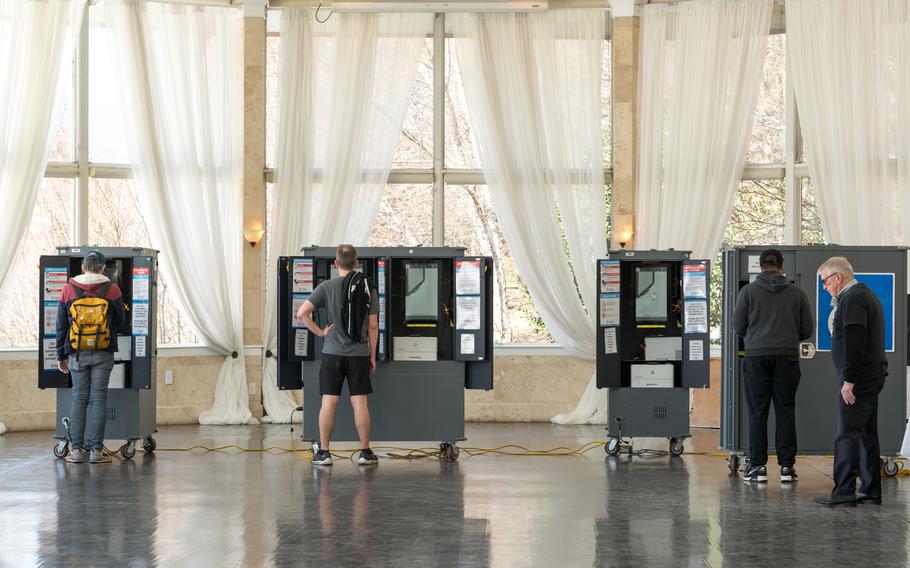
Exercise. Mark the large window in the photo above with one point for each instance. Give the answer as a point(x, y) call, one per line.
point(811, 221)
point(113, 216)
point(768, 142)
point(405, 217)
point(51, 226)
point(406, 214)
point(471, 223)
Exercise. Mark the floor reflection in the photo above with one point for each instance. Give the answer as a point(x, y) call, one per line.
point(382, 516)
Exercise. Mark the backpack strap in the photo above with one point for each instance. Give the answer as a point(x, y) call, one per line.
point(102, 292)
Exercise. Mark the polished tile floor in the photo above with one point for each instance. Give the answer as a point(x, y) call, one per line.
point(255, 509)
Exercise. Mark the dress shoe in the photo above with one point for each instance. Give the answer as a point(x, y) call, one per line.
point(864, 499)
point(837, 501)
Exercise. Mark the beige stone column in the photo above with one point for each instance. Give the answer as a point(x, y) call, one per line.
point(625, 121)
point(254, 187)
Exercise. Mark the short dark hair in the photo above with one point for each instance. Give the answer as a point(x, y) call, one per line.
point(771, 258)
point(346, 257)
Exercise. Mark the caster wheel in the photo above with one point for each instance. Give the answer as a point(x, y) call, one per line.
point(448, 451)
point(676, 447)
point(733, 464)
point(149, 445)
point(61, 450)
point(452, 452)
point(612, 447)
point(128, 450)
point(890, 468)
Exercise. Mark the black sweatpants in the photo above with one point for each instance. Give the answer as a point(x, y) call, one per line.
point(856, 448)
point(772, 378)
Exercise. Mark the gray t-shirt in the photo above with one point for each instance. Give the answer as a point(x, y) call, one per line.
point(330, 295)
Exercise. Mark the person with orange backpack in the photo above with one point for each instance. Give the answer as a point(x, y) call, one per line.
point(88, 316)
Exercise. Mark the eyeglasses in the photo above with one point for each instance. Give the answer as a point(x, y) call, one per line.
point(828, 277)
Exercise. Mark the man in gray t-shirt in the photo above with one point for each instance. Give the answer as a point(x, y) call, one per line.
point(343, 358)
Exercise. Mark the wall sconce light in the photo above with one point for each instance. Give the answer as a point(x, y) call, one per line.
point(625, 237)
point(625, 223)
point(253, 236)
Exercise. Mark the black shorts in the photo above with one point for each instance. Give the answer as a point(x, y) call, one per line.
point(334, 370)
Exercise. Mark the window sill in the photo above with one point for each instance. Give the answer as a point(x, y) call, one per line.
point(164, 351)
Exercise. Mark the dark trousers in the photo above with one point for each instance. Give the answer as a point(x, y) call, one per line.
point(856, 450)
point(772, 378)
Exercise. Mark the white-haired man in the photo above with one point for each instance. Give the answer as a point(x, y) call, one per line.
point(857, 328)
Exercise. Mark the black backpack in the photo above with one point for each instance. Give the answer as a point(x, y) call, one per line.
point(355, 307)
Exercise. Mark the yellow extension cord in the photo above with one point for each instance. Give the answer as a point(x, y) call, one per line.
point(435, 453)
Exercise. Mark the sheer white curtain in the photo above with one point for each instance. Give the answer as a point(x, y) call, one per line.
point(183, 72)
point(532, 84)
point(851, 74)
point(37, 39)
point(345, 87)
point(700, 67)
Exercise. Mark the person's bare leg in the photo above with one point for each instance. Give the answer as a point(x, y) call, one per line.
point(327, 419)
point(362, 419)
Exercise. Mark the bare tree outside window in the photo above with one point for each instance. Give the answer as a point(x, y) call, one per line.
point(115, 220)
point(50, 227)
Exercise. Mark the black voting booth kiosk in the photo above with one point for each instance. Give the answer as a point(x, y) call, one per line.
point(435, 340)
point(884, 270)
point(131, 391)
point(653, 342)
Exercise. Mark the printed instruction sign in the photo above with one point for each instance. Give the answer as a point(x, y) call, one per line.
point(467, 277)
point(610, 346)
point(50, 318)
point(696, 316)
point(54, 282)
point(296, 302)
point(140, 318)
point(141, 283)
point(609, 276)
point(140, 346)
point(609, 309)
point(301, 336)
point(381, 314)
point(695, 281)
point(697, 350)
point(467, 344)
point(302, 276)
point(49, 353)
point(381, 283)
point(754, 264)
point(467, 310)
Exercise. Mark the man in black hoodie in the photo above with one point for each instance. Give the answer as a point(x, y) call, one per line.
point(772, 316)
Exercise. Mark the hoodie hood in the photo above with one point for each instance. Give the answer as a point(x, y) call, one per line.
point(89, 280)
point(772, 281)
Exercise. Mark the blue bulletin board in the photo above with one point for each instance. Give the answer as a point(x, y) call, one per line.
point(881, 284)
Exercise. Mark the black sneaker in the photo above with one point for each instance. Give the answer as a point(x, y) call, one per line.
point(788, 475)
point(757, 473)
point(367, 457)
point(322, 457)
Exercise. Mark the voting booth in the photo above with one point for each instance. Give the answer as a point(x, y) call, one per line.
point(653, 342)
point(884, 270)
point(131, 401)
point(435, 340)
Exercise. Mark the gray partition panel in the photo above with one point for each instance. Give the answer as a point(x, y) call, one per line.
point(816, 401)
point(411, 401)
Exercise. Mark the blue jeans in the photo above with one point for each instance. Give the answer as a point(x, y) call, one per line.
point(88, 410)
